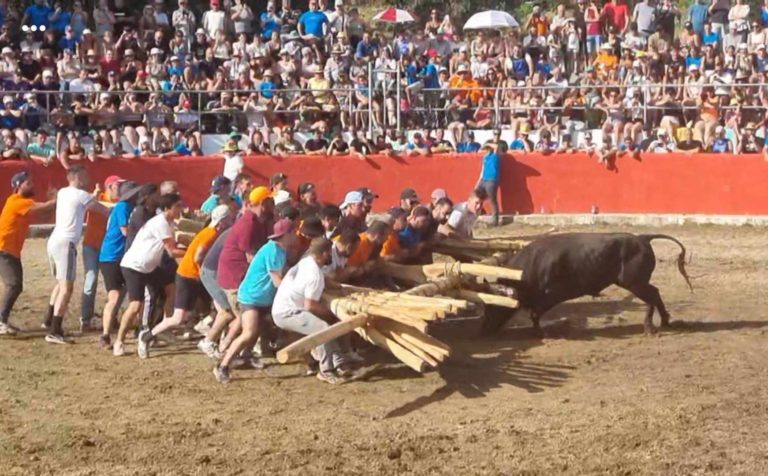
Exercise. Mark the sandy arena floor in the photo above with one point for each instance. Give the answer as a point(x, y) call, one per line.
point(597, 398)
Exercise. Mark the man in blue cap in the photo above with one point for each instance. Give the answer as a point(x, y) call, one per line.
point(17, 214)
point(221, 194)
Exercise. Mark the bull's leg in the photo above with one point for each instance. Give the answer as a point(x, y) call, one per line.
point(495, 319)
point(649, 294)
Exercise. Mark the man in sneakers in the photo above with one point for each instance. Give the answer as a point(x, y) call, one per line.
point(188, 287)
point(110, 254)
point(248, 234)
point(297, 306)
point(18, 211)
point(141, 264)
point(257, 292)
point(224, 315)
point(96, 227)
point(72, 202)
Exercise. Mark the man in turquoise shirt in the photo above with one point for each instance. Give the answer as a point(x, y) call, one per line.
point(489, 178)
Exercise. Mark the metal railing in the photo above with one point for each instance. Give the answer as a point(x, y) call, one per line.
point(211, 113)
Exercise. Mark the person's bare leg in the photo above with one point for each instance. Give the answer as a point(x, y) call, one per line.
point(247, 338)
point(223, 318)
point(177, 319)
point(126, 322)
point(109, 311)
point(234, 329)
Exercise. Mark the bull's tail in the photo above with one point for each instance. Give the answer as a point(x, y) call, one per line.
point(680, 257)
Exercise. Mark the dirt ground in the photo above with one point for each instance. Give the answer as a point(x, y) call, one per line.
point(595, 397)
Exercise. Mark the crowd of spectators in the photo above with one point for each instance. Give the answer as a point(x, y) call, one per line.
point(128, 80)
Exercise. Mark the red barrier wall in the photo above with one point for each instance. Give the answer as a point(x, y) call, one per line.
point(673, 183)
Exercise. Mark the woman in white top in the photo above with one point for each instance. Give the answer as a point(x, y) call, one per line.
point(141, 261)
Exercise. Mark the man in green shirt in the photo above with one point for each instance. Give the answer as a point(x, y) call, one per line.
point(39, 151)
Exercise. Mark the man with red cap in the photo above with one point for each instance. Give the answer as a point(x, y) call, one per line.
point(17, 214)
point(96, 227)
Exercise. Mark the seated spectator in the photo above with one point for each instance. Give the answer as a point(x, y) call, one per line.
point(721, 144)
point(748, 142)
point(521, 143)
point(440, 145)
point(546, 145)
point(497, 143)
point(360, 146)
point(287, 145)
point(687, 143)
point(417, 146)
point(469, 145)
point(662, 143)
point(338, 146)
point(316, 145)
point(40, 151)
point(11, 148)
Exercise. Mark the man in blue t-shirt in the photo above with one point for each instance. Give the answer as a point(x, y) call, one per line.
point(489, 178)
point(269, 21)
point(313, 24)
point(257, 291)
point(37, 14)
point(468, 146)
point(221, 193)
point(697, 15)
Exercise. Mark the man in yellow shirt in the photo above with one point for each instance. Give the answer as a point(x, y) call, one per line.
point(17, 214)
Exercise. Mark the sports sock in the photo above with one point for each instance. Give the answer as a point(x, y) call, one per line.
point(49, 316)
point(56, 325)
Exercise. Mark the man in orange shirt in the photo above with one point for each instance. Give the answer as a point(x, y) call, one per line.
point(370, 244)
point(15, 218)
point(188, 286)
point(95, 229)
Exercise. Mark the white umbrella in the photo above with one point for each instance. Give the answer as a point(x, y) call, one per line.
point(394, 15)
point(491, 20)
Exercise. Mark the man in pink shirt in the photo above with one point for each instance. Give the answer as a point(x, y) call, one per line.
point(616, 13)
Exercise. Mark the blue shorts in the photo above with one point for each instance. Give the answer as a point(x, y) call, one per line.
point(593, 43)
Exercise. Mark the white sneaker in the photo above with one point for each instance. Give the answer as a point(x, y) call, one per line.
point(7, 329)
point(56, 339)
point(118, 350)
point(209, 348)
point(238, 363)
point(204, 325)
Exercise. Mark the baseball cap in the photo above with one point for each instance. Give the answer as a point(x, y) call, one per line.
point(282, 196)
point(218, 214)
point(128, 189)
point(352, 198)
point(200, 31)
point(282, 227)
point(438, 193)
point(219, 182)
point(306, 187)
point(112, 179)
point(368, 194)
point(258, 195)
point(409, 194)
point(18, 179)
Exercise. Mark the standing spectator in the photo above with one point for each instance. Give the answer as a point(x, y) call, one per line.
point(183, 19)
point(103, 18)
point(697, 15)
point(242, 17)
point(645, 15)
point(214, 21)
point(718, 16)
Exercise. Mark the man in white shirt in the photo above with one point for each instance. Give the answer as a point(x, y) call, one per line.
point(140, 265)
point(213, 21)
point(72, 202)
point(463, 217)
point(297, 305)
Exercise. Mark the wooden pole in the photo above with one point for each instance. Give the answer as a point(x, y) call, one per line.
point(426, 342)
point(486, 298)
point(307, 343)
point(410, 346)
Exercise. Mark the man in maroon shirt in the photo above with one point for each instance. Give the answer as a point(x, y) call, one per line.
point(247, 235)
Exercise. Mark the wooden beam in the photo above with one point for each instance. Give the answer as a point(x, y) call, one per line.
point(307, 343)
point(485, 298)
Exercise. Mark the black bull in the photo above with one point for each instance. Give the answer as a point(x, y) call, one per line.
point(566, 266)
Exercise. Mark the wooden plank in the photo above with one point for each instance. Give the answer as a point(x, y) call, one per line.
point(486, 298)
point(307, 343)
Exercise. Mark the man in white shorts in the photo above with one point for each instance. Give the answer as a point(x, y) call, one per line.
point(72, 202)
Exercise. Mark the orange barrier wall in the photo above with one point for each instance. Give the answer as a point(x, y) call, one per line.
point(672, 183)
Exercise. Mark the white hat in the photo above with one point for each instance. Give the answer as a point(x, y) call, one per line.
point(218, 214)
point(605, 46)
point(7, 99)
point(281, 197)
point(352, 198)
point(7, 50)
point(462, 69)
point(47, 73)
point(87, 31)
point(551, 100)
point(155, 51)
point(200, 31)
point(761, 46)
point(743, 46)
point(463, 49)
point(174, 58)
point(693, 67)
point(661, 132)
point(104, 96)
point(719, 129)
point(637, 64)
point(339, 3)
